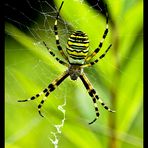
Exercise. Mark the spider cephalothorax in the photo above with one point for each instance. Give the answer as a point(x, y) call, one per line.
point(77, 58)
point(74, 71)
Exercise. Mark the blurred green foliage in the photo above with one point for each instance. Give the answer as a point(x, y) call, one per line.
point(118, 79)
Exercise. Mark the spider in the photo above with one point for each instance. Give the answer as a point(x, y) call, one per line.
point(77, 59)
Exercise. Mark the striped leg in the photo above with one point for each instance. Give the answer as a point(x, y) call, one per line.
point(51, 87)
point(33, 97)
point(96, 61)
point(101, 42)
point(94, 96)
point(51, 53)
point(56, 33)
point(47, 91)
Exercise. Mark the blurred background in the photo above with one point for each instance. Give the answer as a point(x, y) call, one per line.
point(117, 78)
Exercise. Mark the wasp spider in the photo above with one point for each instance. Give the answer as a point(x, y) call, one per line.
point(77, 59)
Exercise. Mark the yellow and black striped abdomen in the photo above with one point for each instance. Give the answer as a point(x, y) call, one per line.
point(77, 47)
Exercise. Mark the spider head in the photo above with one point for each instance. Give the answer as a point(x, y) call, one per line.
point(77, 47)
point(74, 71)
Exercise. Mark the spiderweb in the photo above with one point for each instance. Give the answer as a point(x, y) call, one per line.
point(39, 31)
point(38, 24)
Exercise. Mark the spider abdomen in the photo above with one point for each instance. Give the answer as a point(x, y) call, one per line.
point(77, 47)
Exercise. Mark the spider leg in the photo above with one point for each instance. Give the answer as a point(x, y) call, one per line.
point(102, 40)
point(51, 87)
point(47, 91)
point(51, 53)
point(33, 97)
point(56, 33)
point(94, 96)
point(90, 90)
point(97, 60)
